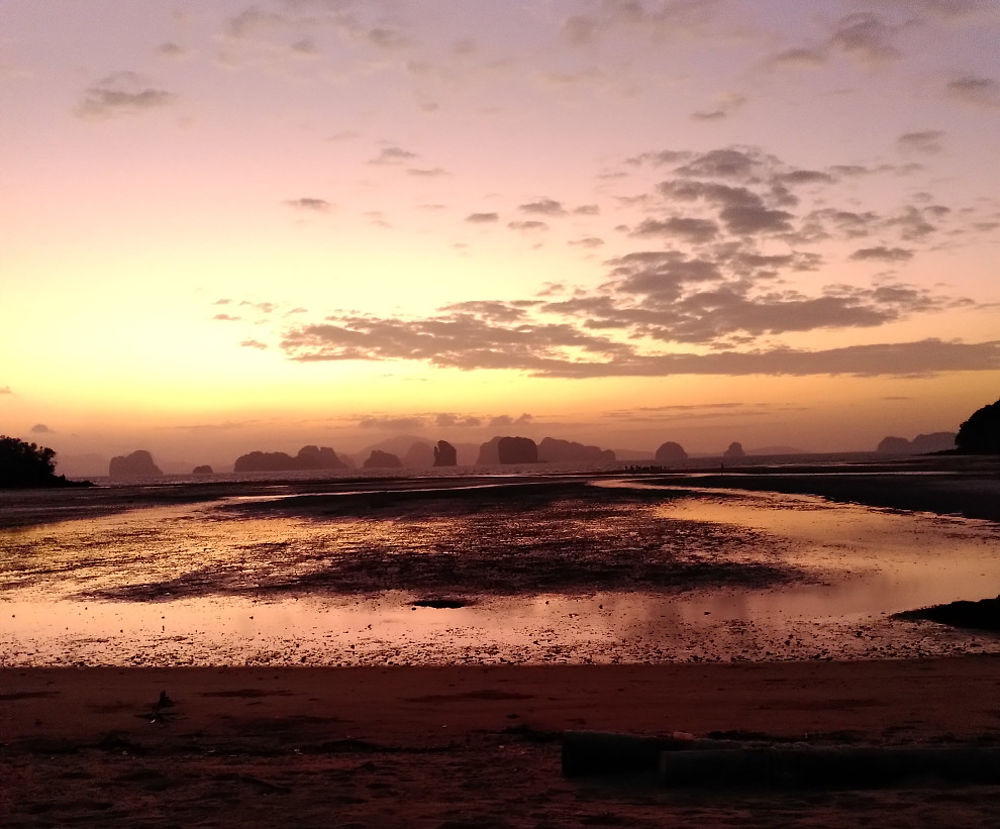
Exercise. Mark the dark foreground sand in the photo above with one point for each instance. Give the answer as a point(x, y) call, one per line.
point(466, 746)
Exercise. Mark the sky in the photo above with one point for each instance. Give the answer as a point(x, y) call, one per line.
point(231, 226)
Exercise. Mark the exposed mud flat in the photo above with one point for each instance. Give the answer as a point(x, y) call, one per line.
point(531, 571)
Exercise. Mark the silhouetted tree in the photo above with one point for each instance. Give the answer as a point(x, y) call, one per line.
point(980, 434)
point(24, 464)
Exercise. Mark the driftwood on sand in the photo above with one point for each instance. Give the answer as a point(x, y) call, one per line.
point(684, 760)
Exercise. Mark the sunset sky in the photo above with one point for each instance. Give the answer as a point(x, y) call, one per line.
point(232, 226)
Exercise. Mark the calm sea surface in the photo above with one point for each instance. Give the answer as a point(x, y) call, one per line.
point(509, 570)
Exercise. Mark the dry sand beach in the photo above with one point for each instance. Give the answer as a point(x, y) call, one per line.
point(467, 746)
point(477, 744)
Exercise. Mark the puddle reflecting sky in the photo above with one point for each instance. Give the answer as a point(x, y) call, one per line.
point(553, 573)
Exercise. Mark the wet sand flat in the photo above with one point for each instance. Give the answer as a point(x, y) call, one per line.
point(466, 746)
point(950, 485)
point(530, 571)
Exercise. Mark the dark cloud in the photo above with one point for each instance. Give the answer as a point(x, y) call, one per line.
point(544, 207)
point(804, 177)
point(457, 341)
point(225, 426)
point(832, 223)
point(587, 210)
point(752, 219)
point(912, 223)
point(123, 93)
point(551, 289)
point(544, 351)
point(263, 307)
point(715, 411)
point(253, 344)
point(507, 420)
point(392, 424)
point(882, 254)
point(688, 229)
point(385, 38)
point(656, 296)
point(170, 50)
point(222, 301)
point(489, 309)
point(796, 59)
point(226, 318)
point(726, 107)
point(658, 158)
point(975, 90)
point(660, 275)
point(530, 225)
point(725, 163)
point(924, 357)
point(925, 141)
point(431, 172)
point(586, 242)
point(716, 314)
point(392, 155)
point(447, 420)
point(850, 170)
point(307, 203)
point(723, 195)
point(42, 429)
point(865, 36)
point(304, 48)
point(734, 226)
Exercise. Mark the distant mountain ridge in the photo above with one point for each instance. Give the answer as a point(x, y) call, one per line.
point(920, 445)
point(308, 457)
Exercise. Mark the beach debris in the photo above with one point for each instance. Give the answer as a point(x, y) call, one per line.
point(598, 752)
point(981, 615)
point(440, 603)
point(157, 711)
point(804, 765)
point(681, 759)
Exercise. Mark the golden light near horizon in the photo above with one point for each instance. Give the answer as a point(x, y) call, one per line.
point(321, 214)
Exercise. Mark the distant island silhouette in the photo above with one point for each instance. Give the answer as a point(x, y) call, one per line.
point(670, 453)
point(920, 445)
point(734, 452)
point(25, 465)
point(138, 464)
point(382, 460)
point(554, 450)
point(445, 454)
point(308, 457)
point(507, 450)
point(978, 434)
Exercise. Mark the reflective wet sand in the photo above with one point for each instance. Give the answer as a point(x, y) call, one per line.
point(542, 573)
